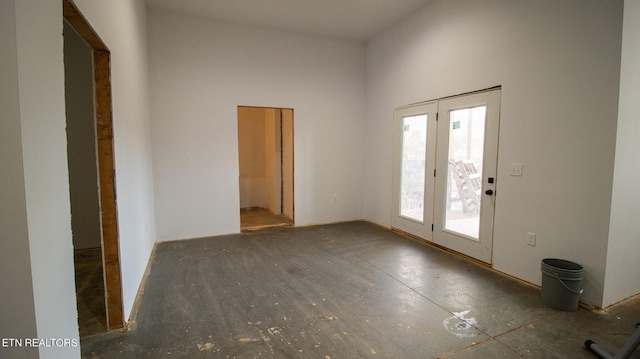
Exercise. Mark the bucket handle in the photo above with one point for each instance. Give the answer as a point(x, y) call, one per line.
point(569, 289)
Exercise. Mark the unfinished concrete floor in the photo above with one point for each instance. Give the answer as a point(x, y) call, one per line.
point(348, 290)
point(92, 313)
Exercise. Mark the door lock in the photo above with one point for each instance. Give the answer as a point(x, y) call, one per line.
point(489, 192)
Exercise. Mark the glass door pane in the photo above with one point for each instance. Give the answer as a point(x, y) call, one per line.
point(414, 139)
point(414, 160)
point(464, 183)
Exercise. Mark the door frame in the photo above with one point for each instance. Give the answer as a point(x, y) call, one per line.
point(285, 139)
point(433, 234)
point(106, 163)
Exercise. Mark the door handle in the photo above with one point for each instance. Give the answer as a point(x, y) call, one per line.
point(489, 192)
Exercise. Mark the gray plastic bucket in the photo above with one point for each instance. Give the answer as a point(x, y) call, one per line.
point(561, 283)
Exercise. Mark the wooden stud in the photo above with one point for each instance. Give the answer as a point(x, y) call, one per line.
point(81, 25)
point(110, 245)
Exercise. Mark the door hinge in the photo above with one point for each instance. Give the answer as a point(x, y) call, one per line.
point(437, 115)
point(434, 173)
point(431, 227)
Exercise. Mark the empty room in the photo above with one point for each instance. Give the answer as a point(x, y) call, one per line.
point(320, 179)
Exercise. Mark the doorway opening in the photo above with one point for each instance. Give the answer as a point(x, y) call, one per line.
point(91, 175)
point(265, 153)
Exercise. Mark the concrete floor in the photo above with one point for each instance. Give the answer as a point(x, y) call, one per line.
point(348, 290)
point(92, 316)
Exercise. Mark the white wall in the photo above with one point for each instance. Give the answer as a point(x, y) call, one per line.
point(36, 144)
point(42, 219)
point(201, 70)
point(17, 317)
point(558, 64)
point(623, 258)
point(81, 141)
point(122, 27)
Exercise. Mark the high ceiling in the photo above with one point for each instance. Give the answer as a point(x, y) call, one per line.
point(350, 19)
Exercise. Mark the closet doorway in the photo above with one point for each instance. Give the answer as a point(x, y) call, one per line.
point(265, 153)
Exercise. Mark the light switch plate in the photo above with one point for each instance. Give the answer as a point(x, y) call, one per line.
point(531, 239)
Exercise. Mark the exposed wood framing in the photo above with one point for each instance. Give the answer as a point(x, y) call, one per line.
point(106, 169)
point(81, 25)
point(110, 246)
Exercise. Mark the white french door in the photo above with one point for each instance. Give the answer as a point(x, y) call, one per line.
point(466, 174)
point(415, 131)
point(457, 204)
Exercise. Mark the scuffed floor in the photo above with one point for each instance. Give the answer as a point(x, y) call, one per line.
point(348, 290)
point(252, 219)
point(92, 317)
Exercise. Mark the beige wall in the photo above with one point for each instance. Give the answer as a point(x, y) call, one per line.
point(272, 159)
point(251, 155)
point(287, 164)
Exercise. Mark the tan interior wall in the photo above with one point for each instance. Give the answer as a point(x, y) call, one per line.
point(272, 159)
point(287, 164)
point(251, 153)
point(265, 147)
